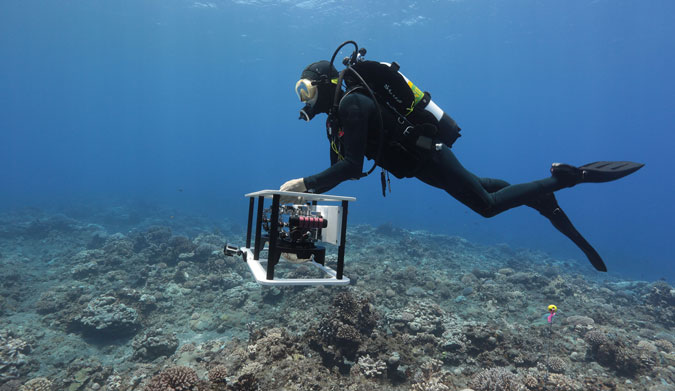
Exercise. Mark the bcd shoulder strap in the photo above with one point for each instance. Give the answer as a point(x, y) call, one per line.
point(389, 86)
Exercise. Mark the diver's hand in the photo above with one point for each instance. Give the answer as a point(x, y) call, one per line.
point(294, 185)
point(297, 185)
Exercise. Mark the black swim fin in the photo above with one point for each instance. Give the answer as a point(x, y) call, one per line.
point(548, 206)
point(596, 172)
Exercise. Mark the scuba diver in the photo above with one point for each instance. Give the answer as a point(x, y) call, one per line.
point(383, 116)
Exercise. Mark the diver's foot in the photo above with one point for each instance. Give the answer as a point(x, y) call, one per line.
point(568, 174)
point(596, 172)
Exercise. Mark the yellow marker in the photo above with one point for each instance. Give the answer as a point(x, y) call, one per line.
point(416, 92)
point(552, 311)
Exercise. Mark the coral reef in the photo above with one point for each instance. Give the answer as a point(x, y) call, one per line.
point(83, 374)
point(624, 357)
point(14, 360)
point(154, 305)
point(660, 297)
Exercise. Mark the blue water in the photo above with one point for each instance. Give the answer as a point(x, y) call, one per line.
point(190, 105)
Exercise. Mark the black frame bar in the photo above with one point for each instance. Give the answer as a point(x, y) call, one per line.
point(343, 239)
point(250, 222)
point(258, 229)
point(274, 233)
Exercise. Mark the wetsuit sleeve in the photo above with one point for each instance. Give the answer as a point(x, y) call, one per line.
point(355, 112)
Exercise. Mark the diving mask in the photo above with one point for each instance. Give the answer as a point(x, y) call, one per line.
point(306, 90)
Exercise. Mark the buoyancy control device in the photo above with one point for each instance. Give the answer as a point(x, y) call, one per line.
point(421, 123)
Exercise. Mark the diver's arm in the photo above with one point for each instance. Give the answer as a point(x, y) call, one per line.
point(333, 160)
point(321, 190)
point(355, 110)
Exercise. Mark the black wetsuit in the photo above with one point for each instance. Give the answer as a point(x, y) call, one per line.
point(359, 137)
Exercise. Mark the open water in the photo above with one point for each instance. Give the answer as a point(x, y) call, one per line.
point(191, 104)
point(133, 113)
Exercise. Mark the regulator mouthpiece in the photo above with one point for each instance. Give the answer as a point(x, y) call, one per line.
point(307, 112)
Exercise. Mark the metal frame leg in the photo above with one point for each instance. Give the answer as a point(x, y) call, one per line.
point(343, 239)
point(272, 258)
point(250, 222)
point(258, 228)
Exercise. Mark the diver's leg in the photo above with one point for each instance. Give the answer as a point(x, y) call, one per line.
point(547, 205)
point(446, 172)
point(489, 197)
point(491, 185)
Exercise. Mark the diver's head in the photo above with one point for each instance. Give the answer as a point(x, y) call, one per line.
point(316, 88)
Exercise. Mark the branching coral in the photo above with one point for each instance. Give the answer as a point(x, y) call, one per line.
point(37, 384)
point(174, 379)
point(557, 365)
point(369, 367)
point(218, 375)
point(496, 379)
point(432, 377)
point(433, 384)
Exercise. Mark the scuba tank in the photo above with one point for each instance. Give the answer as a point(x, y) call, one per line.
point(421, 123)
point(417, 114)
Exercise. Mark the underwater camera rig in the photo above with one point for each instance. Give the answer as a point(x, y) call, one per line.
point(291, 233)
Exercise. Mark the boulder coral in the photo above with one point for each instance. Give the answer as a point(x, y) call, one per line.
point(153, 344)
point(105, 317)
point(349, 322)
